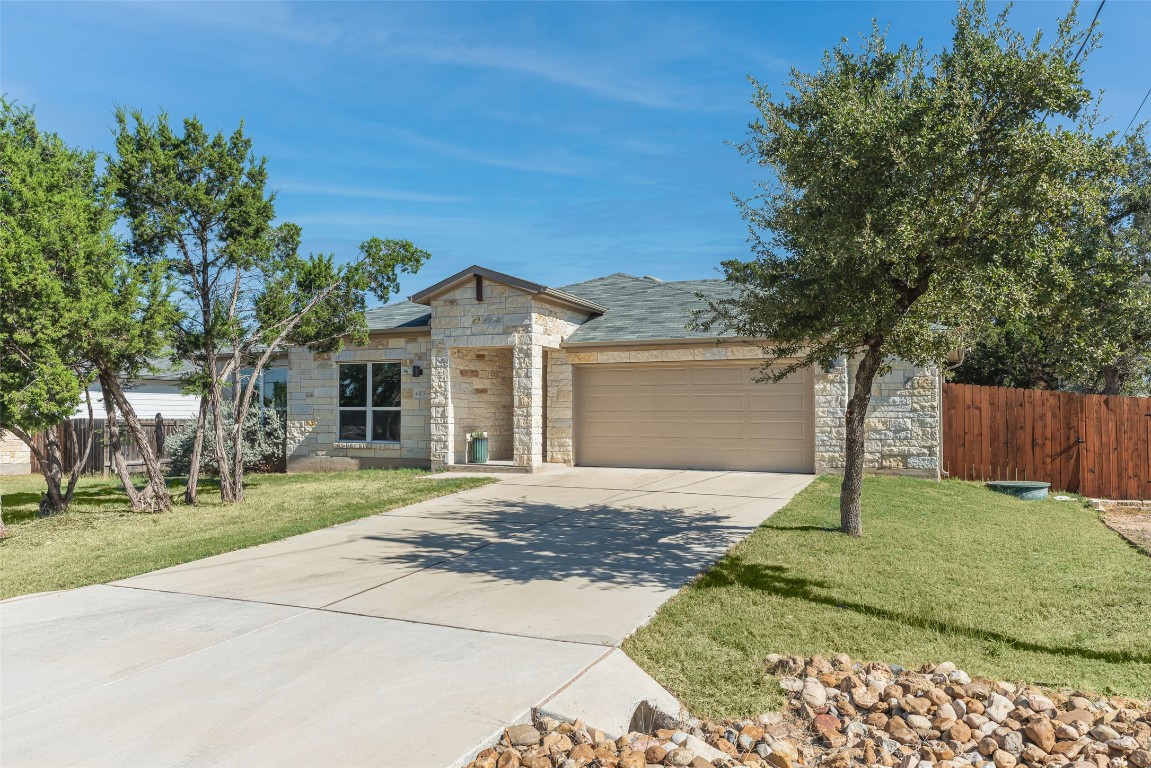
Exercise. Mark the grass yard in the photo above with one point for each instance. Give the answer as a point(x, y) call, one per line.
point(99, 539)
point(1036, 591)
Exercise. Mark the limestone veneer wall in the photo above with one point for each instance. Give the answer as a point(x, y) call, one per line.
point(506, 318)
point(312, 440)
point(15, 457)
point(481, 382)
point(903, 427)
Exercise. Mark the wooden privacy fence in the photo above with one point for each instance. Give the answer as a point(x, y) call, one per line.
point(157, 430)
point(1096, 445)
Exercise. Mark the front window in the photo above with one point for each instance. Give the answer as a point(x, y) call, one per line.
point(370, 402)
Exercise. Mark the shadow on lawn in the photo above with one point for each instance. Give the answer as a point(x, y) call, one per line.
point(774, 579)
point(24, 505)
point(106, 497)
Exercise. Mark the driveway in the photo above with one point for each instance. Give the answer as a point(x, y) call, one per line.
point(402, 639)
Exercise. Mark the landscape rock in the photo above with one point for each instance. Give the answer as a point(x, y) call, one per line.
point(845, 714)
point(524, 735)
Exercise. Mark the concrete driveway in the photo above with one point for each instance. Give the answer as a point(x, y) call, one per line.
point(403, 639)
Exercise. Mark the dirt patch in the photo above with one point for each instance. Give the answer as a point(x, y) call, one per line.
point(1132, 522)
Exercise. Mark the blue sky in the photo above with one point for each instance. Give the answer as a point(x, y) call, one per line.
point(553, 141)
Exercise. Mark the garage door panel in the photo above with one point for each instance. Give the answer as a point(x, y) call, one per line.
point(661, 377)
point(611, 377)
point(782, 429)
point(611, 403)
point(609, 428)
point(715, 402)
point(722, 429)
point(705, 415)
point(724, 375)
point(662, 428)
point(782, 402)
point(651, 402)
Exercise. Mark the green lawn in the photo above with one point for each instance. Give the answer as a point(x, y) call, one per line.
point(99, 539)
point(1036, 591)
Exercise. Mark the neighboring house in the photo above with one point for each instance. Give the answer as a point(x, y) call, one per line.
point(161, 393)
point(599, 373)
point(148, 395)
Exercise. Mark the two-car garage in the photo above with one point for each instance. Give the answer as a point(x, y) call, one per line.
point(693, 415)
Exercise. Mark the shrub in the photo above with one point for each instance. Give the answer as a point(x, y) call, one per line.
point(263, 443)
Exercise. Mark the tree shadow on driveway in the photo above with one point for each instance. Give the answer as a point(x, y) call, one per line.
point(605, 545)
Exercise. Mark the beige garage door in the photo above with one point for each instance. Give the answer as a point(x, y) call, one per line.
point(694, 416)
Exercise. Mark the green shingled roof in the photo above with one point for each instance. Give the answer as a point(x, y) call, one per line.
point(643, 309)
point(638, 309)
point(402, 314)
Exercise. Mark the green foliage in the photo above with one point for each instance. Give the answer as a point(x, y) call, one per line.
point(263, 446)
point(339, 314)
point(57, 256)
point(1090, 329)
point(73, 307)
point(914, 196)
point(1013, 354)
point(197, 208)
point(72, 304)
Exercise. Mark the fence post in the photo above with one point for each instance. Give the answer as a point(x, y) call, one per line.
point(159, 436)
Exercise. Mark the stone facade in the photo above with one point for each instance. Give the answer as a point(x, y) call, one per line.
point(481, 387)
point(15, 457)
point(508, 319)
point(498, 365)
point(903, 424)
point(313, 407)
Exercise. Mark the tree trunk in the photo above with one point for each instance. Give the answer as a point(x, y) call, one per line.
point(52, 502)
point(1112, 380)
point(80, 459)
point(197, 451)
point(227, 493)
point(156, 481)
point(850, 516)
point(139, 501)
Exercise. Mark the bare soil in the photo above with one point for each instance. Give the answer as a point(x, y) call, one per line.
point(1131, 522)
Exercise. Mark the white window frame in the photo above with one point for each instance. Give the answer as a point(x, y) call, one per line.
point(367, 408)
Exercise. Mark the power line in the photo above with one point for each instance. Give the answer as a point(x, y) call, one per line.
point(1089, 28)
point(1137, 111)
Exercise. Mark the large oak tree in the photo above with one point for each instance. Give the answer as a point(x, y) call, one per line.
point(911, 197)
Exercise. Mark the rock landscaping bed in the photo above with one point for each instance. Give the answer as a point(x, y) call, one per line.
point(841, 714)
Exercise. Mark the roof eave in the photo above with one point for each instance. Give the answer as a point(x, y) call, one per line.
point(681, 340)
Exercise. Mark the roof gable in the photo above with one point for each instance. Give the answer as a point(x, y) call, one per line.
point(535, 289)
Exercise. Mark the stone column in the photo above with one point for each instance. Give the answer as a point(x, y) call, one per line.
point(527, 401)
point(441, 420)
point(831, 395)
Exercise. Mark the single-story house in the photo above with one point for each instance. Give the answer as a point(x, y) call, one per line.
point(604, 372)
